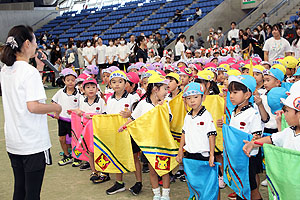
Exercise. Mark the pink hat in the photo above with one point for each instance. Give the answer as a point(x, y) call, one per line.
point(91, 69)
point(113, 68)
point(89, 80)
point(161, 72)
point(81, 77)
point(185, 71)
point(169, 67)
point(210, 64)
point(68, 71)
point(133, 77)
point(231, 60)
point(235, 66)
point(198, 67)
point(142, 70)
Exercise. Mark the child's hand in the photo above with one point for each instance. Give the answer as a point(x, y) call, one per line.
point(179, 156)
point(220, 122)
point(258, 100)
point(248, 147)
point(211, 161)
point(56, 115)
point(255, 137)
point(88, 116)
point(125, 113)
point(161, 102)
point(121, 129)
point(278, 116)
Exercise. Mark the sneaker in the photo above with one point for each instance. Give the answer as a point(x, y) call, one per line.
point(102, 178)
point(222, 185)
point(145, 169)
point(85, 166)
point(76, 163)
point(65, 160)
point(117, 187)
point(182, 179)
point(179, 174)
point(94, 176)
point(164, 198)
point(232, 196)
point(61, 153)
point(136, 189)
point(264, 183)
point(156, 197)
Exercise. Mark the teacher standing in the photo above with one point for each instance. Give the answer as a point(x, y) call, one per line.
point(26, 130)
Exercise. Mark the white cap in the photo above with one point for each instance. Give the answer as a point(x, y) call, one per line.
point(292, 101)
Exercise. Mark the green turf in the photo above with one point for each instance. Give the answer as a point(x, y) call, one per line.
point(64, 183)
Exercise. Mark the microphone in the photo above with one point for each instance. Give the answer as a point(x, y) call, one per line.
point(46, 62)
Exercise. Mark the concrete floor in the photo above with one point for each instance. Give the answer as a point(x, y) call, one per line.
point(64, 183)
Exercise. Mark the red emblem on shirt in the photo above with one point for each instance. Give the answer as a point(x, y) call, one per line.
point(243, 124)
point(97, 108)
point(75, 100)
point(200, 123)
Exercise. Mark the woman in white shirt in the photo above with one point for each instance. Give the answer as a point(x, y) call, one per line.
point(89, 54)
point(276, 46)
point(26, 130)
point(123, 53)
point(111, 54)
point(296, 43)
point(100, 56)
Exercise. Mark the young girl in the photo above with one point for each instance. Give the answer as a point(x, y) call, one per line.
point(156, 93)
point(173, 86)
point(68, 98)
point(186, 76)
point(115, 105)
point(132, 85)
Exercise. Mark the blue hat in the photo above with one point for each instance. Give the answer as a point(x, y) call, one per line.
point(274, 96)
point(297, 72)
point(276, 73)
point(246, 80)
point(193, 89)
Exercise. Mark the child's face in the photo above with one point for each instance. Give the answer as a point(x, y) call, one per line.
point(270, 82)
point(225, 83)
point(291, 117)
point(118, 84)
point(133, 70)
point(181, 64)
point(245, 71)
point(220, 77)
point(194, 101)
point(297, 78)
point(197, 55)
point(128, 87)
point(79, 85)
point(194, 71)
point(145, 83)
point(173, 85)
point(258, 77)
point(168, 60)
point(90, 90)
point(188, 55)
point(215, 61)
point(106, 78)
point(290, 71)
point(237, 97)
point(162, 92)
point(266, 66)
point(151, 54)
point(184, 80)
point(157, 59)
point(70, 81)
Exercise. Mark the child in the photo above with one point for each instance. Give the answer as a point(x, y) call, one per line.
point(221, 70)
point(156, 93)
point(92, 104)
point(198, 53)
point(68, 98)
point(288, 137)
point(297, 75)
point(151, 58)
point(132, 85)
point(186, 76)
point(206, 77)
point(91, 70)
point(197, 141)
point(189, 56)
point(115, 105)
point(266, 64)
point(258, 75)
point(173, 86)
point(133, 68)
point(245, 118)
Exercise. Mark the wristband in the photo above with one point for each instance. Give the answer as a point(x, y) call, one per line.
point(124, 127)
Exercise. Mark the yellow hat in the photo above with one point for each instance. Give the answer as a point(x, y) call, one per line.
point(247, 66)
point(223, 67)
point(281, 61)
point(280, 67)
point(174, 75)
point(155, 78)
point(206, 75)
point(258, 68)
point(118, 74)
point(291, 61)
point(233, 72)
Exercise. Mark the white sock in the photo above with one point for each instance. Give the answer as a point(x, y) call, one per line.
point(166, 192)
point(156, 191)
point(180, 167)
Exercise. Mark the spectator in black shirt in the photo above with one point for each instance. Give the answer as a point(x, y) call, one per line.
point(256, 44)
point(177, 15)
point(245, 45)
point(140, 50)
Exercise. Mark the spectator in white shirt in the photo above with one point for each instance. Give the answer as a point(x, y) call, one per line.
point(111, 54)
point(100, 56)
point(89, 54)
point(233, 33)
point(180, 48)
point(198, 13)
point(123, 54)
point(276, 46)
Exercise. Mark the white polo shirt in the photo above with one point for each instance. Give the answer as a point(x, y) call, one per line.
point(97, 107)
point(66, 101)
point(115, 106)
point(197, 130)
point(25, 132)
point(100, 52)
point(287, 139)
point(248, 121)
point(111, 52)
point(122, 51)
point(179, 47)
point(89, 52)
